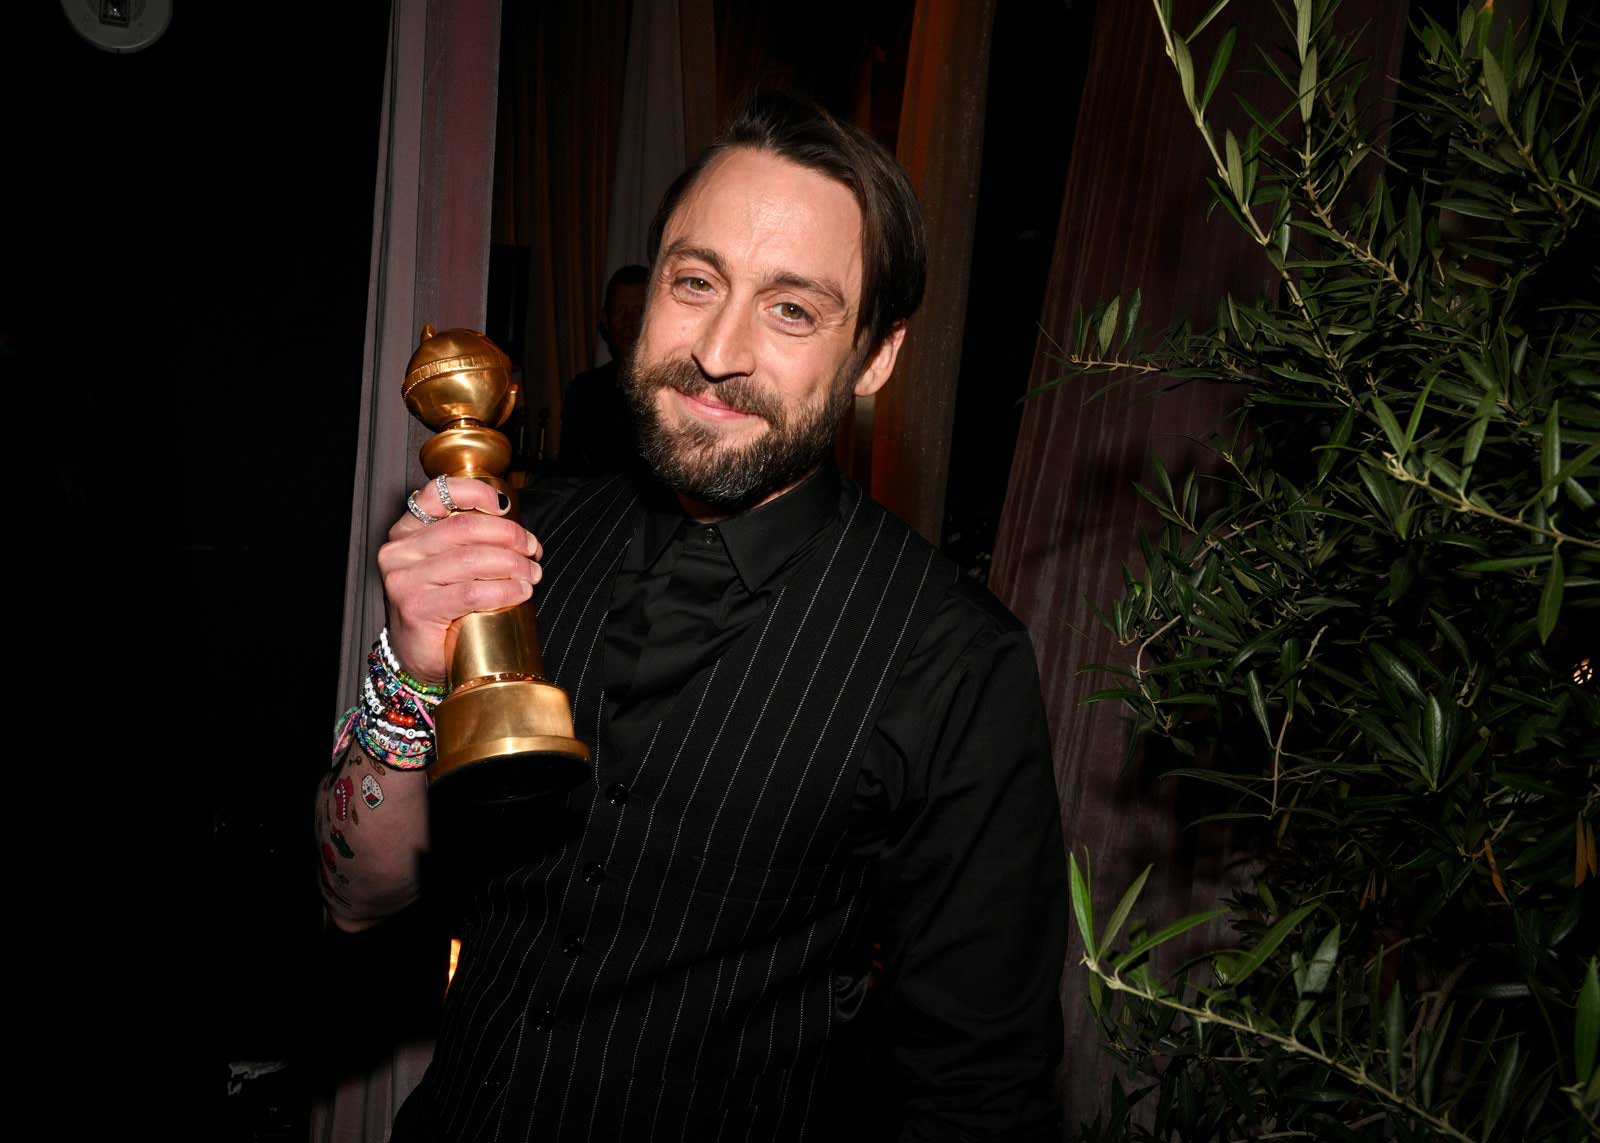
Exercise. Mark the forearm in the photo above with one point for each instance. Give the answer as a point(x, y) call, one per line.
point(372, 829)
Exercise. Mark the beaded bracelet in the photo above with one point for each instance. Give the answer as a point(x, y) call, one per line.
point(393, 723)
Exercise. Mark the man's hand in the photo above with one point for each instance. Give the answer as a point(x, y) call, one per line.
point(473, 560)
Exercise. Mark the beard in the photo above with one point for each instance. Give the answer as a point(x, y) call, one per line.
point(693, 460)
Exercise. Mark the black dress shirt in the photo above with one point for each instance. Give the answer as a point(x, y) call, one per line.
point(958, 1021)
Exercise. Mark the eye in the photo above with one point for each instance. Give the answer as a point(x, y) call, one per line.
point(792, 313)
point(693, 289)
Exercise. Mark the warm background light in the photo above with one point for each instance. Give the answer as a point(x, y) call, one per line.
point(455, 955)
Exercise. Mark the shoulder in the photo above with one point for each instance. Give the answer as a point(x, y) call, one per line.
point(962, 616)
point(600, 378)
point(550, 500)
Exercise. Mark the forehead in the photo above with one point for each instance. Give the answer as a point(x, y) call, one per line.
point(765, 215)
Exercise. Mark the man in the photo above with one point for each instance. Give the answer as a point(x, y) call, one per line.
point(596, 427)
point(816, 888)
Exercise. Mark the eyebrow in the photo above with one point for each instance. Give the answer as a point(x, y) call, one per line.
point(827, 287)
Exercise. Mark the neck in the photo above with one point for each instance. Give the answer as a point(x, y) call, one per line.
point(702, 513)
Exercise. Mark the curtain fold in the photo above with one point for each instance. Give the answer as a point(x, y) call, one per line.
point(1134, 214)
point(940, 144)
point(430, 257)
point(652, 142)
point(560, 110)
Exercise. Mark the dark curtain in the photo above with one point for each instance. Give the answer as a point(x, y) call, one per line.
point(1134, 214)
point(556, 142)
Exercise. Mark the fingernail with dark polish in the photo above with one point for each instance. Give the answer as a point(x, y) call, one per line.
point(505, 501)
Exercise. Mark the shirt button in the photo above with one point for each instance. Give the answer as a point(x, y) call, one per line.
point(543, 1017)
point(708, 537)
point(617, 795)
point(594, 873)
point(573, 947)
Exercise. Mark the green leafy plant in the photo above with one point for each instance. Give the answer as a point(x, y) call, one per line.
point(1371, 632)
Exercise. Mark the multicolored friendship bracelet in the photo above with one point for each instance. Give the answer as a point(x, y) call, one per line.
point(393, 723)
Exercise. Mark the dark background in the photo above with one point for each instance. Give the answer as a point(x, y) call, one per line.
point(197, 240)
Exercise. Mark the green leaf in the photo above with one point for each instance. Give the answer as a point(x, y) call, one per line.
point(1308, 86)
point(1219, 62)
point(1120, 914)
point(1494, 84)
point(1207, 18)
point(1550, 598)
point(1433, 736)
point(1478, 370)
point(1500, 1085)
point(1413, 232)
point(1176, 929)
point(1397, 670)
point(1082, 905)
point(1550, 453)
point(1318, 971)
point(1107, 332)
point(1164, 480)
point(1302, 26)
point(1230, 146)
point(1568, 471)
point(1417, 410)
point(1132, 318)
point(1390, 426)
point(1586, 1032)
point(1394, 1033)
point(1509, 563)
point(1339, 438)
point(1185, 66)
point(1258, 703)
point(1244, 964)
point(1475, 433)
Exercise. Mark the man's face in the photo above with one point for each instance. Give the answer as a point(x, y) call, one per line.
point(747, 359)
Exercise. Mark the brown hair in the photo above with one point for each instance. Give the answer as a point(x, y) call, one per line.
point(894, 242)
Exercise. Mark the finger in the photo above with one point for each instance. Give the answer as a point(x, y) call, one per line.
point(462, 564)
point(444, 604)
point(467, 494)
point(464, 529)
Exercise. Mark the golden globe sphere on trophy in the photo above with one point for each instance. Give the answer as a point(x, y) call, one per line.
point(503, 734)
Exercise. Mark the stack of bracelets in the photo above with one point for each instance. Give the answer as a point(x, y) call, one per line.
point(394, 722)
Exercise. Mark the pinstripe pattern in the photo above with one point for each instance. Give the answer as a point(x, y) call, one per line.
point(622, 1007)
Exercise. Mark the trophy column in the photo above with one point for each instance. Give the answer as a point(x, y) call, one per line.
point(504, 734)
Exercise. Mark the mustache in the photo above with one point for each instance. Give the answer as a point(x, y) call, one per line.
point(738, 393)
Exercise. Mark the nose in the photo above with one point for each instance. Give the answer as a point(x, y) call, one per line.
point(726, 345)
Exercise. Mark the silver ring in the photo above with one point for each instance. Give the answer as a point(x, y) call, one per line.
point(442, 486)
point(416, 510)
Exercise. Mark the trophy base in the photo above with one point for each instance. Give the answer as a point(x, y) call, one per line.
point(505, 740)
point(545, 766)
point(504, 812)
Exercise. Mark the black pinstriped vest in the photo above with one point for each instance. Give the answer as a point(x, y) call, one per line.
point(666, 974)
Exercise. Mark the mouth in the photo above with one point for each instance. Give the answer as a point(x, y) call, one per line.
point(708, 408)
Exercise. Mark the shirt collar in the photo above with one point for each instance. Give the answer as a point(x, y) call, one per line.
point(760, 540)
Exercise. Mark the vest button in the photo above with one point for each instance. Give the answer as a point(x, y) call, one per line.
point(543, 1017)
point(594, 873)
point(617, 795)
point(572, 948)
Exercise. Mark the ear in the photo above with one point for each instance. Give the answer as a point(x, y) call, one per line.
point(881, 364)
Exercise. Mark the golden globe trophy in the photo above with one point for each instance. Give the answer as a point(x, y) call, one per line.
point(504, 735)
